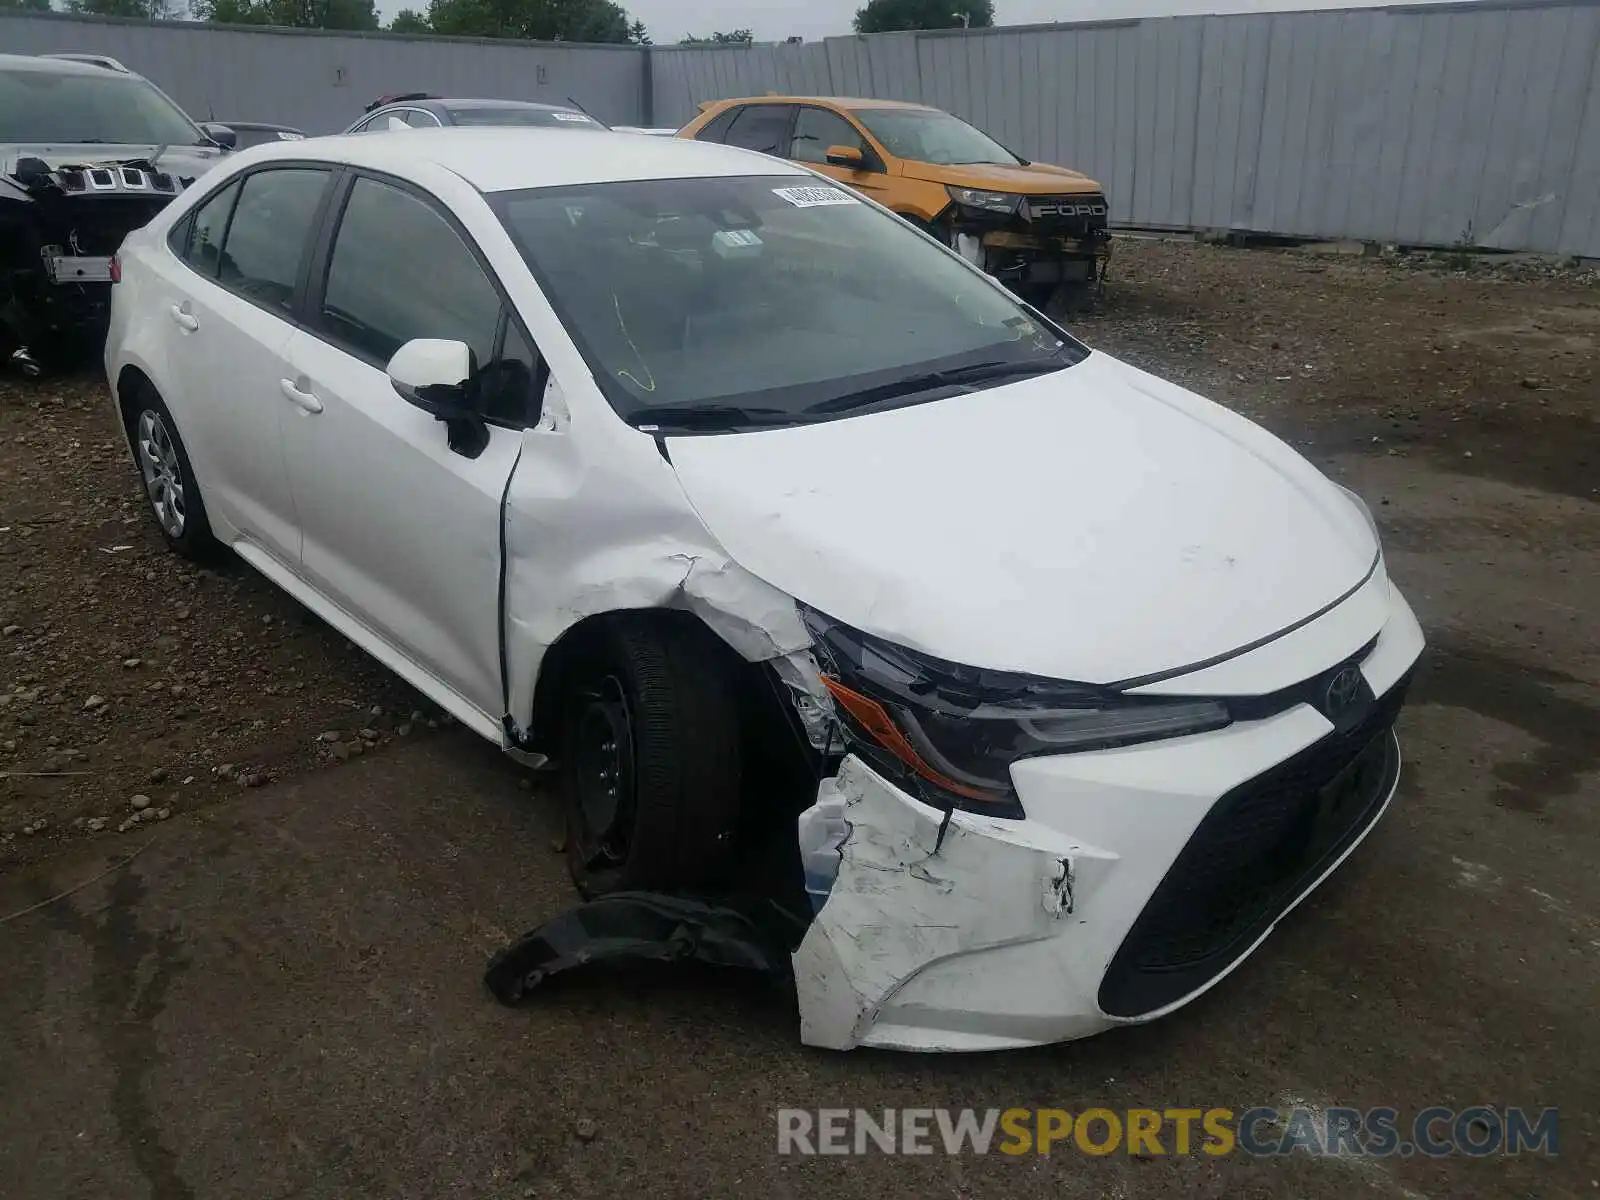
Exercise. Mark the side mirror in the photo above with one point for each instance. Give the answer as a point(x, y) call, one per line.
point(434, 374)
point(846, 156)
point(220, 134)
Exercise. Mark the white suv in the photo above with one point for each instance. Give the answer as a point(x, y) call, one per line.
point(749, 504)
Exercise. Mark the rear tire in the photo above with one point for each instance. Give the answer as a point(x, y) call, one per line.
point(650, 758)
point(168, 478)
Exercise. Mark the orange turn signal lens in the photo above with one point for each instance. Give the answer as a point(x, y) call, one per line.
point(873, 718)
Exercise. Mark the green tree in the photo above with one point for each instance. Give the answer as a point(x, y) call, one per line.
point(29, 5)
point(638, 34)
point(889, 16)
point(535, 20)
point(295, 14)
point(409, 20)
point(153, 10)
point(733, 37)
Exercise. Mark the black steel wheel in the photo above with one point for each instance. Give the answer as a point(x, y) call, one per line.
point(650, 757)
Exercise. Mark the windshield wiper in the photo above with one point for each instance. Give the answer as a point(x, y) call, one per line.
point(706, 416)
point(953, 377)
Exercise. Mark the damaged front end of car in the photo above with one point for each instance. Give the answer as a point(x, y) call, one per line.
point(1032, 244)
point(62, 219)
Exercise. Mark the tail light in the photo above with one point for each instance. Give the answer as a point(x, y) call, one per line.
point(116, 268)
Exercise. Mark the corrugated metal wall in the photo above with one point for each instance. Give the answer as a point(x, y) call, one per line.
point(1470, 124)
point(320, 82)
point(1462, 124)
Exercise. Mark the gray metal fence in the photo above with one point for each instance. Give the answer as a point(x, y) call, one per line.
point(320, 81)
point(1464, 124)
point(1470, 124)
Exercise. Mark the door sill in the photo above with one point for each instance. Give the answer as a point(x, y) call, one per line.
point(402, 664)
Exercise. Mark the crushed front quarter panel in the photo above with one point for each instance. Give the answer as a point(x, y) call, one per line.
point(626, 538)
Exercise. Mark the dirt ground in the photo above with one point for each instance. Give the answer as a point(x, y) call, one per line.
point(281, 998)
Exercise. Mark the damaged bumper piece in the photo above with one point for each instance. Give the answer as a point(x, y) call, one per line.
point(1046, 241)
point(1139, 878)
point(1135, 878)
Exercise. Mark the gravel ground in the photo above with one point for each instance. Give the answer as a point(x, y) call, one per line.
point(293, 977)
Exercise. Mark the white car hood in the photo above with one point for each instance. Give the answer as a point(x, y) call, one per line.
point(1095, 524)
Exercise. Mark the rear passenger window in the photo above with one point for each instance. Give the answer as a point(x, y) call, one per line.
point(399, 271)
point(267, 237)
point(717, 128)
point(202, 248)
point(763, 127)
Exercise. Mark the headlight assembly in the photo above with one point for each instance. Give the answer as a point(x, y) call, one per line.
point(997, 202)
point(949, 733)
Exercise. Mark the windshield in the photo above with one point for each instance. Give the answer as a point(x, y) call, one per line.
point(928, 135)
point(522, 116)
point(46, 106)
point(776, 296)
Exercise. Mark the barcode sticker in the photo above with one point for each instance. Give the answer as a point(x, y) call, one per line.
point(813, 197)
point(579, 118)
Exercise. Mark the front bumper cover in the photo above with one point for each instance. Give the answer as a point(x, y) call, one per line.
point(971, 933)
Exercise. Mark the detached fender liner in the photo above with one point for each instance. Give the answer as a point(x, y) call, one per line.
point(748, 934)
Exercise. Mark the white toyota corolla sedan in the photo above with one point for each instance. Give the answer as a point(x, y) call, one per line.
point(752, 507)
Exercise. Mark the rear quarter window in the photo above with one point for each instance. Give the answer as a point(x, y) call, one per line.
point(716, 129)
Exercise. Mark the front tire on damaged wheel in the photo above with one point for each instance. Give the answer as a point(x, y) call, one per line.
point(650, 757)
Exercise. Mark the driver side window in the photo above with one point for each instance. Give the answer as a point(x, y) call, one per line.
point(816, 130)
point(398, 270)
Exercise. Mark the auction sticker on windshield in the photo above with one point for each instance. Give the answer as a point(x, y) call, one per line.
point(813, 197)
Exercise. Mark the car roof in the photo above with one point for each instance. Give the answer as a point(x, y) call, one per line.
point(449, 103)
point(835, 101)
point(504, 159)
point(59, 66)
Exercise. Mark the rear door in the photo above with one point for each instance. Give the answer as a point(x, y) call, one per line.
point(816, 129)
point(398, 529)
point(229, 293)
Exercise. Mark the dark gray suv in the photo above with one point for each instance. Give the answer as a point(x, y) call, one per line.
point(89, 151)
point(419, 110)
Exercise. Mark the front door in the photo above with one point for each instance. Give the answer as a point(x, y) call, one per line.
point(816, 129)
point(397, 528)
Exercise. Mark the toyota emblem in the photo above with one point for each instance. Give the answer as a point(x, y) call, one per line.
point(1343, 689)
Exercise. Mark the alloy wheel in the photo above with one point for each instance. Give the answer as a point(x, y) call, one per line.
point(163, 476)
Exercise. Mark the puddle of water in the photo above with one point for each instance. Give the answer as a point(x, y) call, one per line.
point(1541, 702)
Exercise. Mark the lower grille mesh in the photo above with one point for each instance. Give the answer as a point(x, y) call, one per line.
point(1256, 850)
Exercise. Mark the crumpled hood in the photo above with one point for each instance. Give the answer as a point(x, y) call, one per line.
point(1035, 179)
point(1097, 524)
point(186, 162)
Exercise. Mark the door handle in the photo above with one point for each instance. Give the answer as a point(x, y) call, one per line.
point(302, 397)
point(184, 319)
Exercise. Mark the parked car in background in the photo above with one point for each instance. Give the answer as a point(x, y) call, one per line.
point(699, 474)
point(254, 133)
point(418, 110)
point(88, 151)
point(1036, 227)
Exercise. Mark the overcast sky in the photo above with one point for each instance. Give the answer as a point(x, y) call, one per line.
point(774, 20)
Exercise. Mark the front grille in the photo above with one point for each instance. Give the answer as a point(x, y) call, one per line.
point(1256, 850)
point(1065, 216)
